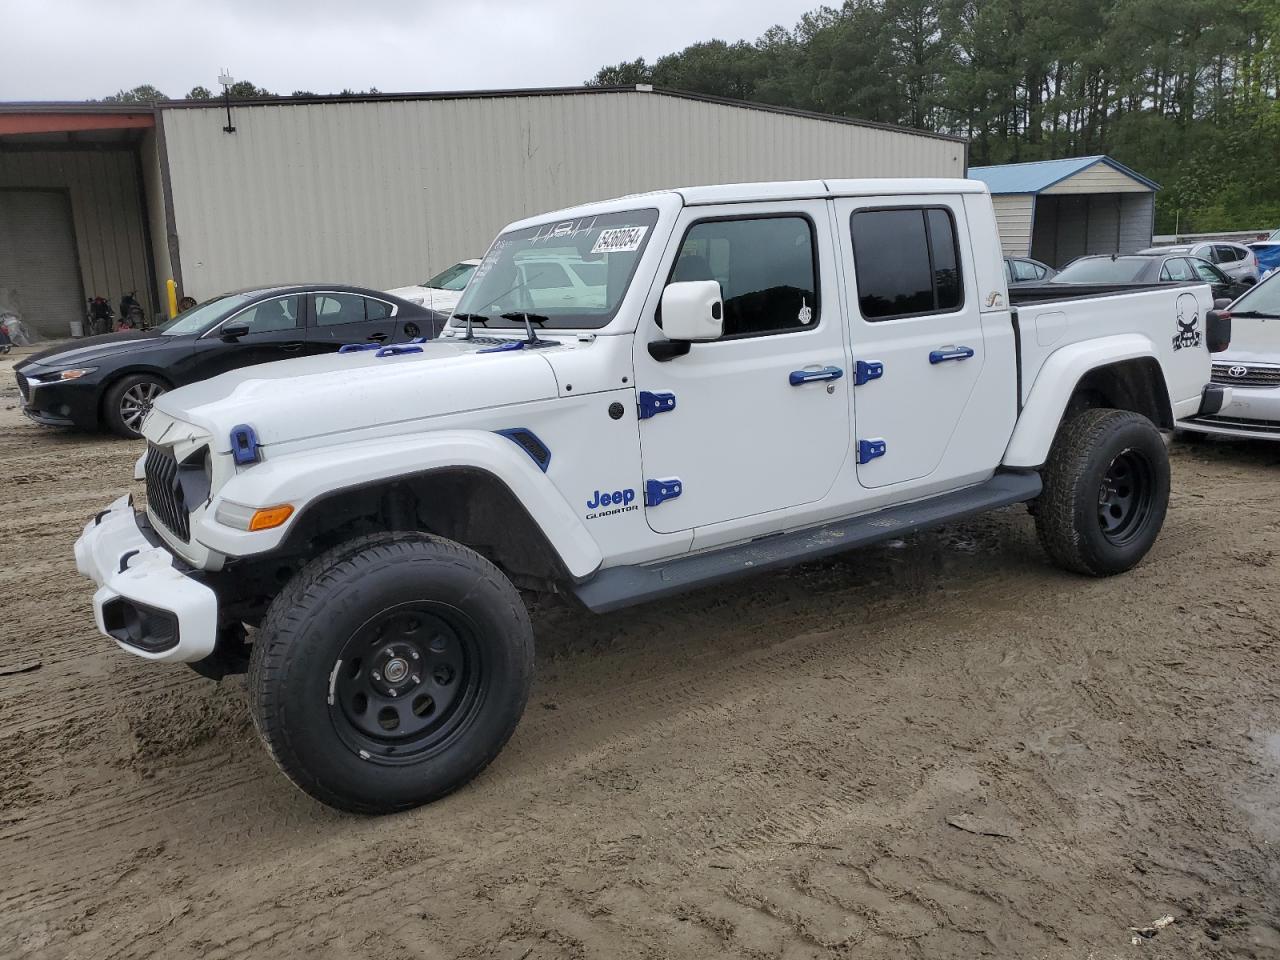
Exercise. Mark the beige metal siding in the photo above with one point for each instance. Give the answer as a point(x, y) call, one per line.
point(1013, 219)
point(1100, 178)
point(386, 193)
point(106, 210)
point(153, 184)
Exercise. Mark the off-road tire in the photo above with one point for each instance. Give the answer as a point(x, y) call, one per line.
point(324, 607)
point(113, 400)
point(1069, 512)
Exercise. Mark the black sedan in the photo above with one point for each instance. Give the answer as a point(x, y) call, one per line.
point(112, 380)
point(1150, 268)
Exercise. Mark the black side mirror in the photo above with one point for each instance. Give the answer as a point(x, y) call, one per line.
point(1221, 303)
point(233, 332)
point(1217, 328)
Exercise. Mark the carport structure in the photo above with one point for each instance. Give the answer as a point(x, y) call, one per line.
point(1057, 210)
point(75, 210)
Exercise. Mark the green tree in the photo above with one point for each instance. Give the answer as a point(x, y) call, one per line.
point(143, 93)
point(200, 93)
point(625, 74)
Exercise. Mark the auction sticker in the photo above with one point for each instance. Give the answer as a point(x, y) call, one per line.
point(619, 239)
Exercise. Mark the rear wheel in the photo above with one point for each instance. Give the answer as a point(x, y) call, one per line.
point(129, 400)
point(1106, 490)
point(390, 671)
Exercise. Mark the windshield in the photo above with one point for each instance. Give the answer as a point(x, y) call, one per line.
point(200, 318)
point(1263, 298)
point(455, 278)
point(570, 274)
point(1103, 270)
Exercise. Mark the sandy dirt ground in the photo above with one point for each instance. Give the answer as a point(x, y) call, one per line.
point(937, 748)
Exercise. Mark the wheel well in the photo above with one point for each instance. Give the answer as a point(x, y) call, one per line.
point(1136, 385)
point(465, 505)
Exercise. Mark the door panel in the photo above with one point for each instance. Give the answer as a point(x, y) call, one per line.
point(761, 416)
point(914, 311)
point(340, 318)
point(276, 332)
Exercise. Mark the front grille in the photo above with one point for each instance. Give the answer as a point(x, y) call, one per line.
point(1247, 374)
point(164, 492)
point(23, 387)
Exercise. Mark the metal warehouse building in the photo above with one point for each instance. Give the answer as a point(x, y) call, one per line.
point(1057, 210)
point(377, 190)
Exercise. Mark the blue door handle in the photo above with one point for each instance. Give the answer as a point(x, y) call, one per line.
point(950, 353)
point(799, 377)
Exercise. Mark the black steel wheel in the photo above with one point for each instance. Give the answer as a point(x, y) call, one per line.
point(407, 682)
point(1106, 490)
point(390, 671)
point(1125, 496)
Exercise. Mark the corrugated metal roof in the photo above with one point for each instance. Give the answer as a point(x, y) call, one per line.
point(1042, 174)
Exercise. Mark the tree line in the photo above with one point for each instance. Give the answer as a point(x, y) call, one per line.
point(240, 90)
point(1183, 91)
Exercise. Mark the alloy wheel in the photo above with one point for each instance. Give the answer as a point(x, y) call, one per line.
point(136, 403)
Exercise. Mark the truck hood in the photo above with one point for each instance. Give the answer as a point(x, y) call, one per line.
point(334, 393)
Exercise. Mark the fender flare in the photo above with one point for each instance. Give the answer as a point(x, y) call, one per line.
point(1055, 383)
point(302, 478)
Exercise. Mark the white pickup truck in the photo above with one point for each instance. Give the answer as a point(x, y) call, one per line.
point(755, 375)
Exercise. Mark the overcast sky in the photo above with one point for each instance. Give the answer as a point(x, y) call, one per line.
point(80, 49)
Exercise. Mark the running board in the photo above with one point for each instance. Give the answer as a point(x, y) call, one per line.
point(618, 587)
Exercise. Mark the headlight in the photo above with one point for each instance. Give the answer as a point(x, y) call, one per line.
point(73, 374)
point(415, 300)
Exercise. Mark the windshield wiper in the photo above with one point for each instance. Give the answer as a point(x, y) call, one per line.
point(1255, 314)
point(470, 317)
point(529, 320)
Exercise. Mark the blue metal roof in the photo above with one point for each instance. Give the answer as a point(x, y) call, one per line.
point(1042, 174)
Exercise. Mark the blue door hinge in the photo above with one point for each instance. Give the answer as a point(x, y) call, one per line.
point(866, 370)
point(244, 444)
point(868, 450)
point(658, 491)
point(652, 404)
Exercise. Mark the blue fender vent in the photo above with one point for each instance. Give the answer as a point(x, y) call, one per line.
point(528, 441)
point(358, 347)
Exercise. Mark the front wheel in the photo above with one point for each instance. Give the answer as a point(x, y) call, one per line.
point(390, 671)
point(1106, 490)
point(129, 400)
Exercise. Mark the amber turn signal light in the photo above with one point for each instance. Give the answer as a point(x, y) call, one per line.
point(270, 517)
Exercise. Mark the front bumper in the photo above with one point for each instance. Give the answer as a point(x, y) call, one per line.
point(1247, 412)
point(144, 603)
point(73, 403)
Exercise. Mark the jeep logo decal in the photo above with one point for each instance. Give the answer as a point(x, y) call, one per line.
point(605, 504)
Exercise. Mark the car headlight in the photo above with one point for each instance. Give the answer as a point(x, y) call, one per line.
point(75, 373)
point(416, 300)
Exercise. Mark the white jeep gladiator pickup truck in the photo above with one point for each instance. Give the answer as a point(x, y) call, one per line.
point(751, 375)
